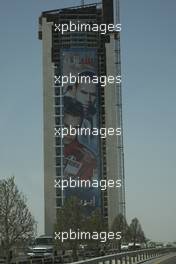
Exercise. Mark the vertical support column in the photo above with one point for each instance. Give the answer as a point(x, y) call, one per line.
point(62, 146)
point(146, 255)
point(121, 260)
point(119, 106)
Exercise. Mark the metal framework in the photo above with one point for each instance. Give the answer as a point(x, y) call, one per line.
point(120, 144)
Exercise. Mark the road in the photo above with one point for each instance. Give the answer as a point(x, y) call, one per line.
point(169, 259)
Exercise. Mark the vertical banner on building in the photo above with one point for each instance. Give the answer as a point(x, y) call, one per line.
point(81, 110)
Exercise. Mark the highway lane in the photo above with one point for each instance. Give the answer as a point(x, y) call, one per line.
point(169, 259)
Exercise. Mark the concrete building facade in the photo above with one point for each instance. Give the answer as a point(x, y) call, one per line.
point(110, 104)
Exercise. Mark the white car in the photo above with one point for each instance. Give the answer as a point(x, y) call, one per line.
point(43, 247)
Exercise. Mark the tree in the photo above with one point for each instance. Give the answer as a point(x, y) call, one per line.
point(70, 217)
point(95, 223)
point(120, 225)
point(136, 232)
point(16, 221)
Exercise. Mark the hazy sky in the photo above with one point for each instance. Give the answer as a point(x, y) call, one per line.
point(148, 42)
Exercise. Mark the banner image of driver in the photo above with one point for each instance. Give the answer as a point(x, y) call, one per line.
point(81, 152)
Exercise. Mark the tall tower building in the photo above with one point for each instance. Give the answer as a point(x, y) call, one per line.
point(87, 157)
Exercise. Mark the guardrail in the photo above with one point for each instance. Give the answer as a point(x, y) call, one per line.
point(129, 257)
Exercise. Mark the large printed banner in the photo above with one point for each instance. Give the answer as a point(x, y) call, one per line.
point(81, 110)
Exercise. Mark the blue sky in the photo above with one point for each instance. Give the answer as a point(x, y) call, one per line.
point(148, 42)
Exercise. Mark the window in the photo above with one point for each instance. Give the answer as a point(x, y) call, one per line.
point(58, 141)
point(105, 212)
point(58, 172)
point(57, 100)
point(58, 111)
point(57, 91)
point(58, 202)
point(58, 120)
point(58, 161)
point(58, 151)
point(58, 192)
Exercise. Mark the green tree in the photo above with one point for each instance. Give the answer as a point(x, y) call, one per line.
point(70, 217)
point(120, 225)
point(136, 232)
point(16, 221)
point(95, 223)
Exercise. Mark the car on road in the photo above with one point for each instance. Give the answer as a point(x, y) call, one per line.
point(43, 246)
